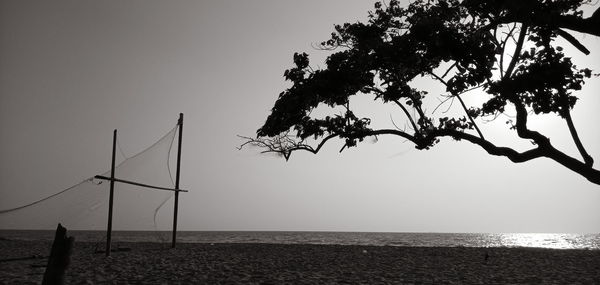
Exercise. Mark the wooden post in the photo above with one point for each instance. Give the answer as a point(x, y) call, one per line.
point(180, 123)
point(110, 199)
point(59, 259)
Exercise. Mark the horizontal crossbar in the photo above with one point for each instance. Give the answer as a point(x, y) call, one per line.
point(139, 184)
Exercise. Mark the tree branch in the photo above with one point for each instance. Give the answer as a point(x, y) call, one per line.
point(573, 164)
point(412, 122)
point(521, 116)
point(521, 124)
point(448, 70)
point(421, 141)
point(489, 147)
point(517, 53)
point(573, 41)
point(439, 78)
point(583, 168)
point(589, 161)
point(462, 103)
point(283, 145)
point(589, 25)
point(547, 150)
point(583, 25)
point(501, 63)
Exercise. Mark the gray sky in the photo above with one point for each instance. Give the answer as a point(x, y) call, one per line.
point(72, 71)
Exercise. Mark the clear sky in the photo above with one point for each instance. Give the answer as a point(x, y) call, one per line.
point(71, 71)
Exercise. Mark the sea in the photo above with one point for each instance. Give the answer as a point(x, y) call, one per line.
point(532, 240)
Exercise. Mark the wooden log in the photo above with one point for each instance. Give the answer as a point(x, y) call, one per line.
point(60, 256)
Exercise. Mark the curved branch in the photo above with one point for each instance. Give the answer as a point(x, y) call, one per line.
point(589, 161)
point(311, 149)
point(547, 150)
point(412, 122)
point(521, 117)
point(419, 141)
point(521, 124)
point(491, 148)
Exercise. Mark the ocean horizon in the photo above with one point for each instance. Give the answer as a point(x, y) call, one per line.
point(405, 239)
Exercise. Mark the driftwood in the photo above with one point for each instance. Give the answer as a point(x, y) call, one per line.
point(59, 257)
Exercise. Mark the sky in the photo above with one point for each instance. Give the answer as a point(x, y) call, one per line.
point(71, 71)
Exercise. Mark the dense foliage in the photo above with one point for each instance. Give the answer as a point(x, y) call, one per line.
point(505, 48)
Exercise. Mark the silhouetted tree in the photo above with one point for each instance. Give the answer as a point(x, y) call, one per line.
point(505, 48)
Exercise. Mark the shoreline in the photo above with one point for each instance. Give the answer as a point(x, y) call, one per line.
point(248, 263)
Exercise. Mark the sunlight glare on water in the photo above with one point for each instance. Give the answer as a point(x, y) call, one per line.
point(556, 241)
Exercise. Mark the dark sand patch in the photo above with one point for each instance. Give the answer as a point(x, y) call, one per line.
point(151, 263)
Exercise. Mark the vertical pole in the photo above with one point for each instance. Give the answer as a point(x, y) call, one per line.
point(110, 199)
point(180, 123)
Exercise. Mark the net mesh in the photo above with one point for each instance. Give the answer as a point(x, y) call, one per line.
point(84, 206)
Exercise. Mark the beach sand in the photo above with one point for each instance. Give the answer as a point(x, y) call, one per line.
point(154, 263)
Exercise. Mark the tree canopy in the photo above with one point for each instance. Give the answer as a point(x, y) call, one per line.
point(506, 49)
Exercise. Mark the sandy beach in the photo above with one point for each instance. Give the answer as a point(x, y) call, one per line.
point(22, 262)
